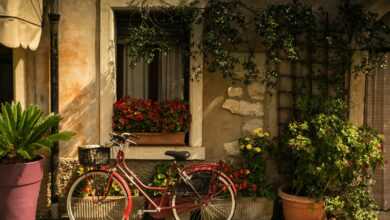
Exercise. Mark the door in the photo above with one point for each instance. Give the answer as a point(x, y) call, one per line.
point(6, 75)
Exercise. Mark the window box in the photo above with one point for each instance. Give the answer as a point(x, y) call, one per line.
point(172, 139)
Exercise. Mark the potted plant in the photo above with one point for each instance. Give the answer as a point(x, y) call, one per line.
point(24, 136)
point(154, 123)
point(255, 193)
point(330, 164)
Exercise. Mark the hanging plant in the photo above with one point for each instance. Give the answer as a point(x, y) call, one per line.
point(158, 30)
point(222, 31)
point(282, 29)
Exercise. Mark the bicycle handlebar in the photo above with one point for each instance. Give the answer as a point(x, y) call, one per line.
point(123, 137)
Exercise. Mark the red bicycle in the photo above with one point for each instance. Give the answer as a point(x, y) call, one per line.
point(198, 191)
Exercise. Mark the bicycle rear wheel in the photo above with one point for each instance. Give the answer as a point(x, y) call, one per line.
point(215, 198)
point(96, 195)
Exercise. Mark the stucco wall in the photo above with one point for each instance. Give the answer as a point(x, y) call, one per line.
point(77, 73)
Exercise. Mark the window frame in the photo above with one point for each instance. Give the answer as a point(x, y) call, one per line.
point(107, 85)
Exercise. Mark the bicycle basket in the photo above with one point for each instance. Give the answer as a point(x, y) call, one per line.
point(92, 155)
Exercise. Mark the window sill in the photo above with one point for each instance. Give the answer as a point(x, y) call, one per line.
point(158, 152)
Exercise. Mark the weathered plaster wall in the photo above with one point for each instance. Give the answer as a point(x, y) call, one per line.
point(231, 110)
point(77, 74)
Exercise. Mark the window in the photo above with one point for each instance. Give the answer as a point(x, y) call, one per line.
point(6, 75)
point(166, 77)
point(109, 10)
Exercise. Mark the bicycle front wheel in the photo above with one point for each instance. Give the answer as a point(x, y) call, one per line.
point(214, 198)
point(96, 195)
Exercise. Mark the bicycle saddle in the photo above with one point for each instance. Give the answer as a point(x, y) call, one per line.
point(178, 155)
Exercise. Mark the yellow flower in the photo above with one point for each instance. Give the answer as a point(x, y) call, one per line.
point(257, 149)
point(257, 130)
point(249, 146)
point(242, 146)
point(247, 139)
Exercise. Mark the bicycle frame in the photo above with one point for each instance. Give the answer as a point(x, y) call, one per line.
point(160, 206)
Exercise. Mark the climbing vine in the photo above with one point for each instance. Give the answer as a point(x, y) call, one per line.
point(281, 29)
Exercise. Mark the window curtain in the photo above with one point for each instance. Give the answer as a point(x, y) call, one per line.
point(171, 74)
point(135, 80)
point(170, 77)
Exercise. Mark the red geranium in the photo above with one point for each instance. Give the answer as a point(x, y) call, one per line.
point(145, 115)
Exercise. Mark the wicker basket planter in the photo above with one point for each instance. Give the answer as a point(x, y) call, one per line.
point(249, 208)
point(171, 139)
point(85, 208)
point(112, 205)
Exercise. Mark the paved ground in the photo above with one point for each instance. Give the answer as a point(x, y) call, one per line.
point(384, 215)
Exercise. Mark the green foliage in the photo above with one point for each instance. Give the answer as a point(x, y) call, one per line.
point(251, 178)
point(87, 187)
point(356, 203)
point(156, 31)
point(279, 25)
point(308, 106)
point(326, 156)
point(24, 134)
point(222, 29)
point(163, 177)
point(283, 29)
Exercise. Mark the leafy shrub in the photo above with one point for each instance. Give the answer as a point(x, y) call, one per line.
point(25, 134)
point(328, 157)
point(250, 178)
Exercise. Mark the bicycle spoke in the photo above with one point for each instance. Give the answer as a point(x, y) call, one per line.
point(217, 203)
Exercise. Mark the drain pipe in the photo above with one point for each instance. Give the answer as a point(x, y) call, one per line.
point(54, 18)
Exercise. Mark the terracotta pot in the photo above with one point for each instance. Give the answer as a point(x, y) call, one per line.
point(302, 208)
point(176, 138)
point(19, 189)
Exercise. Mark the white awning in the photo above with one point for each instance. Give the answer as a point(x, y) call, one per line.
point(20, 23)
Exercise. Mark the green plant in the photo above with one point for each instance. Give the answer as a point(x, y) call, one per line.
point(24, 134)
point(326, 156)
point(85, 188)
point(282, 29)
point(251, 179)
point(355, 203)
point(154, 32)
point(162, 177)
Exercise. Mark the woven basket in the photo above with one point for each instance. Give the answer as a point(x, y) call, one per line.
point(85, 208)
point(93, 155)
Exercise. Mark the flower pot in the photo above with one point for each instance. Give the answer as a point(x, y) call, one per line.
point(249, 208)
point(19, 189)
point(302, 208)
point(176, 138)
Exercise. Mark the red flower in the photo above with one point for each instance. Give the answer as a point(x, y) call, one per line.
point(138, 116)
point(254, 187)
point(244, 185)
point(150, 116)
